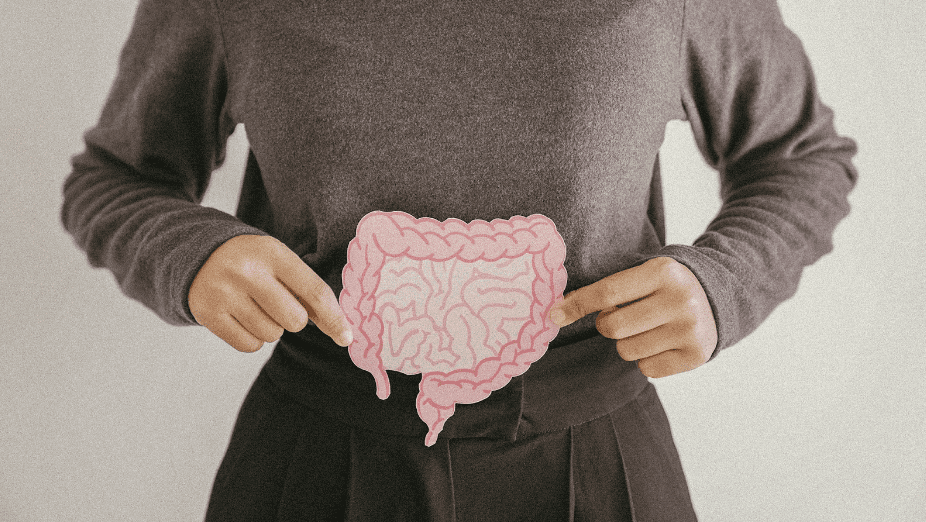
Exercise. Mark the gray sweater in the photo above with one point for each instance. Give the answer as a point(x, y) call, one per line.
point(470, 110)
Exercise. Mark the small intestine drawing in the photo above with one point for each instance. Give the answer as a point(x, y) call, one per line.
point(463, 304)
point(442, 316)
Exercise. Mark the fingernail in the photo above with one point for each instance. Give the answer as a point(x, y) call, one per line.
point(557, 316)
point(345, 338)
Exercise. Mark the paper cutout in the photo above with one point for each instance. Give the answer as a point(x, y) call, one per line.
point(464, 304)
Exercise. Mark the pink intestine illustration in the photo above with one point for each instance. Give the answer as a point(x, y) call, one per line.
point(464, 304)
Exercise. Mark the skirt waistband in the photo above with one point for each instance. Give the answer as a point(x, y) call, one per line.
point(569, 385)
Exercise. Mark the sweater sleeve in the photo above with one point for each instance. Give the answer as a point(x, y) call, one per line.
point(132, 199)
point(750, 97)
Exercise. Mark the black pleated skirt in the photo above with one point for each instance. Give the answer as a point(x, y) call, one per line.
point(291, 460)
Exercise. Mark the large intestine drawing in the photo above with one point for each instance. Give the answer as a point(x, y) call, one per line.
point(463, 304)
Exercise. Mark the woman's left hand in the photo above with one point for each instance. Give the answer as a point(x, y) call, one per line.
point(657, 312)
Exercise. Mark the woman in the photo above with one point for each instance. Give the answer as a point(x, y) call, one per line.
point(468, 111)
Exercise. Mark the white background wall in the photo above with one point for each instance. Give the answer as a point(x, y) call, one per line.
point(108, 414)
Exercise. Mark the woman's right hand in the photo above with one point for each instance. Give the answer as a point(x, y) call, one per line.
point(253, 287)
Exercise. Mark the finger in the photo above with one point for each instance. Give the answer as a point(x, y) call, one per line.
point(278, 302)
point(652, 342)
point(326, 313)
point(635, 318)
point(668, 363)
point(317, 297)
point(256, 321)
point(616, 289)
point(232, 332)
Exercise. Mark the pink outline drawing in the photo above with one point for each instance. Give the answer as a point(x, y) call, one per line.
point(386, 235)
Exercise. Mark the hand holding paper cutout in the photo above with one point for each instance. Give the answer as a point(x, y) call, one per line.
point(253, 287)
point(657, 312)
point(464, 304)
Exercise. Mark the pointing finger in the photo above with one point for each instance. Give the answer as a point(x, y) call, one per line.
point(617, 289)
point(316, 296)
